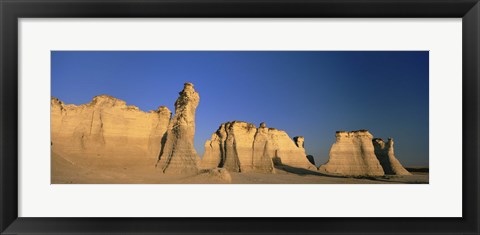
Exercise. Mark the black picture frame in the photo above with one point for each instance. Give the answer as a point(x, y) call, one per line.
point(12, 10)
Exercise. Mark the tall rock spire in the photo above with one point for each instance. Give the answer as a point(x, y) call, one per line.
point(178, 155)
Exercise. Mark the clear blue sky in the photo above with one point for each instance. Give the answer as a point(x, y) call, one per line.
point(308, 93)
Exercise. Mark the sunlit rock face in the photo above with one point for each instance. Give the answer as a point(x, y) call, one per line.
point(264, 150)
point(107, 132)
point(178, 154)
point(386, 155)
point(232, 147)
point(353, 155)
point(241, 147)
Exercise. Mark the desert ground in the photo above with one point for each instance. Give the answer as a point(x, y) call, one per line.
point(65, 172)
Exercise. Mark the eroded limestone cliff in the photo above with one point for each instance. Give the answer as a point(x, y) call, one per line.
point(356, 153)
point(241, 147)
point(107, 131)
point(353, 155)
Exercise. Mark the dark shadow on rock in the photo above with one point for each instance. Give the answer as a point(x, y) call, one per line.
point(277, 161)
point(311, 159)
point(162, 146)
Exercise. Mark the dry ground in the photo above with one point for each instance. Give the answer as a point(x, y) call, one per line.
point(68, 172)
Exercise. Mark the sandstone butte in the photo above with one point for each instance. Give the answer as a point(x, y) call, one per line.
point(241, 147)
point(356, 153)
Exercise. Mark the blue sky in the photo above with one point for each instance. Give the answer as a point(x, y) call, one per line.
point(308, 93)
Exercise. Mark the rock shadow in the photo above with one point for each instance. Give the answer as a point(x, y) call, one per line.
point(302, 171)
point(162, 147)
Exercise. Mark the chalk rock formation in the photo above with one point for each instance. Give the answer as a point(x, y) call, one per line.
point(232, 147)
point(108, 129)
point(353, 155)
point(263, 150)
point(178, 154)
point(241, 147)
point(386, 156)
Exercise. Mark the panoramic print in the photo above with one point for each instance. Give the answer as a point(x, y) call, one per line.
point(239, 117)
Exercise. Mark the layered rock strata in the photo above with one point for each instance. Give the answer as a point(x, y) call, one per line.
point(386, 155)
point(353, 155)
point(241, 147)
point(106, 128)
point(178, 154)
